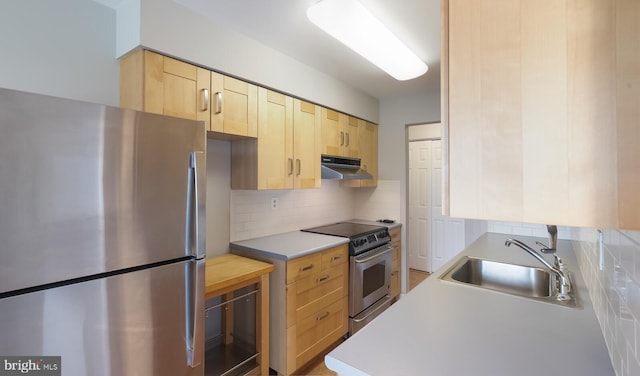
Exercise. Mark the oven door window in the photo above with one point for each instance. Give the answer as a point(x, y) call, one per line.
point(373, 278)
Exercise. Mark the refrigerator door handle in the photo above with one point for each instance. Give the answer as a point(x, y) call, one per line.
point(195, 221)
point(194, 290)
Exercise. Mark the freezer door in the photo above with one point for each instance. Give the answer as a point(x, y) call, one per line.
point(87, 189)
point(136, 323)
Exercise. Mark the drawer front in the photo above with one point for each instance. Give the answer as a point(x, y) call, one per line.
point(335, 256)
point(312, 300)
point(308, 295)
point(303, 267)
point(317, 282)
point(394, 288)
point(395, 234)
point(315, 333)
point(395, 256)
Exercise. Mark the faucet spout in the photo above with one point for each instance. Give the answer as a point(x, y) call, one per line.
point(565, 284)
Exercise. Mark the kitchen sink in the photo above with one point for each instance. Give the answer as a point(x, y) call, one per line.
point(525, 281)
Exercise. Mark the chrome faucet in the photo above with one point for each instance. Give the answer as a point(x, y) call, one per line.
point(553, 245)
point(562, 276)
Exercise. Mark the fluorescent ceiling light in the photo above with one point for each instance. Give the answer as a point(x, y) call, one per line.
point(352, 24)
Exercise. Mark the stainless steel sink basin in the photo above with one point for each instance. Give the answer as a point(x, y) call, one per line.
point(525, 281)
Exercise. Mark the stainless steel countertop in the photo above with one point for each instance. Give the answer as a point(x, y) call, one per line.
point(441, 328)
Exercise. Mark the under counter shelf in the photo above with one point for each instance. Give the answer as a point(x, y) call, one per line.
point(234, 278)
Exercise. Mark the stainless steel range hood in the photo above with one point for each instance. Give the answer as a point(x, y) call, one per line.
point(342, 168)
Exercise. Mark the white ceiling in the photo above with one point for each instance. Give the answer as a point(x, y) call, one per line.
point(283, 25)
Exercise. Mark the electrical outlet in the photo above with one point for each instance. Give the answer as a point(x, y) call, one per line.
point(274, 203)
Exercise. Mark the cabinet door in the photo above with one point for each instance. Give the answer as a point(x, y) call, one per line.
point(369, 151)
point(306, 132)
point(275, 140)
point(537, 102)
point(351, 140)
point(234, 106)
point(154, 83)
point(333, 137)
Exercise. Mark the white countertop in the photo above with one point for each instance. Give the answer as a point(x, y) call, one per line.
point(442, 328)
point(289, 245)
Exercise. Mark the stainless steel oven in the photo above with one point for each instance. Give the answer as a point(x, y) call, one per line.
point(369, 280)
point(369, 269)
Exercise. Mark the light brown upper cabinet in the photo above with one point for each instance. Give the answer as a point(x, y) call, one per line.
point(306, 144)
point(368, 150)
point(234, 106)
point(541, 110)
point(154, 83)
point(339, 134)
point(286, 153)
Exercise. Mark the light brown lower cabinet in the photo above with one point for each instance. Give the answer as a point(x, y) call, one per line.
point(396, 269)
point(309, 306)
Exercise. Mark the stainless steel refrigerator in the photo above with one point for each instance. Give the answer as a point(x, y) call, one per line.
point(102, 237)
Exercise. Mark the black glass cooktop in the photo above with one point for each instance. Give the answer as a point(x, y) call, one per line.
point(345, 229)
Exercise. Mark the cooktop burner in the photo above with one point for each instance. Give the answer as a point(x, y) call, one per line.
point(361, 237)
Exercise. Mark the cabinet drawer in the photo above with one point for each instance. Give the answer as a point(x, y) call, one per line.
point(303, 267)
point(395, 256)
point(308, 295)
point(394, 289)
point(318, 331)
point(335, 256)
point(395, 234)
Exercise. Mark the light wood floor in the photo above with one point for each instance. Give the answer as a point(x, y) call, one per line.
point(318, 368)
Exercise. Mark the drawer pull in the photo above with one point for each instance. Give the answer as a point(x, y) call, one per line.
point(323, 316)
point(322, 279)
point(335, 258)
point(305, 268)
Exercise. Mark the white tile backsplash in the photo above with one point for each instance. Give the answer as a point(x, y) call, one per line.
point(252, 216)
point(615, 291)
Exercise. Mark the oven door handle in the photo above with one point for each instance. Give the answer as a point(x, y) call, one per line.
point(381, 305)
point(387, 249)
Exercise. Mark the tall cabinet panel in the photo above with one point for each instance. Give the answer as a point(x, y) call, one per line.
point(539, 102)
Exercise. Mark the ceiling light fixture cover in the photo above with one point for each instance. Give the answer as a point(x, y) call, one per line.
point(353, 25)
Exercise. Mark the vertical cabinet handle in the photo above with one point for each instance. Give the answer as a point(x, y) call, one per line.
point(218, 107)
point(205, 100)
point(298, 167)
point(347, 143)
point(341, 138)
point(290, 166)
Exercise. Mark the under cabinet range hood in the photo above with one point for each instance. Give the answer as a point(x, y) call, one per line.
point(342, 168)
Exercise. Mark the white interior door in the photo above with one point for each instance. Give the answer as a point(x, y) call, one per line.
point(420, 205)
point(447, 233)
point(433, 238)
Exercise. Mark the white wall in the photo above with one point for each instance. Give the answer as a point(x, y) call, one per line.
point(395, 115)
point(64, 48)
point(172, 29)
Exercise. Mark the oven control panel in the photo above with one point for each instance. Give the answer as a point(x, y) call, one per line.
point(369, 241)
